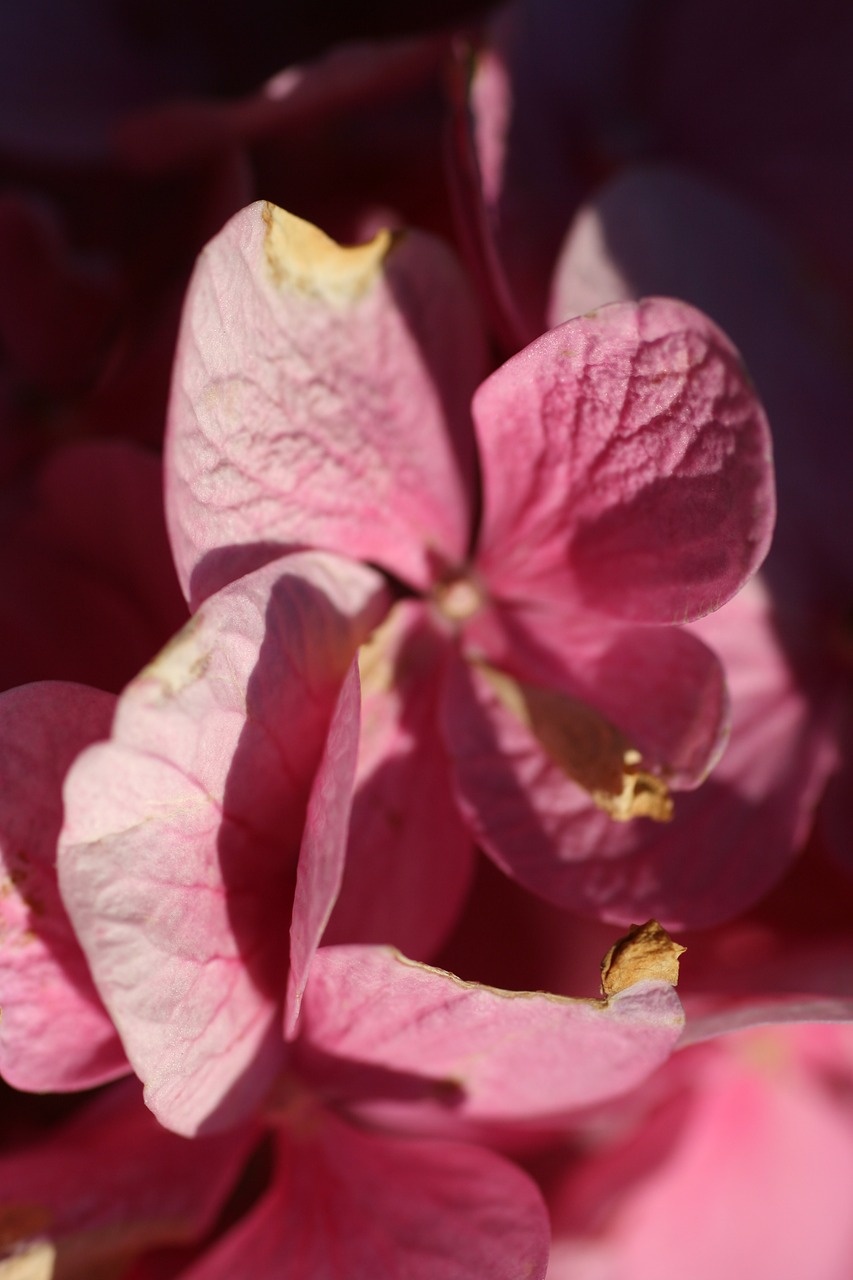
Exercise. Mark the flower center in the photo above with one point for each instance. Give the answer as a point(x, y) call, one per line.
point(458, 597)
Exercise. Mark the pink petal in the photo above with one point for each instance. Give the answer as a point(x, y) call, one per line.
point(179, 849)
point(750, 1126)
point(350, 1205)
point(626, 465)
point(482, 1054)
point(109, 1183)
point(661, 686)
point(741, 827)
point(538, 825)
point(321, 398)
point(660, 230)
point(410, 856)
point(324, 842)
point(54, 1032)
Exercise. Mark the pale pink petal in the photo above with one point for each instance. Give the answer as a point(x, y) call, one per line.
point(54, 1032)
point(350, 1205)
point(108, 1183)
point(626, 466)
point(181, 836)
point(321, 398)
point(410, 855)
point(478, 1054)
point(324, 842)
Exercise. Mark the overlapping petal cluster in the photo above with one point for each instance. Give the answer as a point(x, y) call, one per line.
point(463, 553)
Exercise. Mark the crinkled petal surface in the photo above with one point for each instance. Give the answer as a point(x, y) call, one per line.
point(655, 229)
point(626, 465)
point(410, 855)
point(484, 1054)
point(321, 398)
point(351, 1205)
point(182, 833)
point(109, 1183)
point(54, 1032)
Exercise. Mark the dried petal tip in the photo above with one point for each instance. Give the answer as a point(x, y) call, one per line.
point(646, 952)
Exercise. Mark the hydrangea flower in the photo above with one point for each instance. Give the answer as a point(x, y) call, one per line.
point(542, 533)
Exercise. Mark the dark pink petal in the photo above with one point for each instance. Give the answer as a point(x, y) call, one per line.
point(351, 1205)
point(182, 833)
point(54, 1032)
point(410, 855)
point(546, 74)
point(173, 134)
point(107, 1184)
point(728, 841)
point(324, 842)
point(626, 465)
point(321, 398)
point(480, 1053)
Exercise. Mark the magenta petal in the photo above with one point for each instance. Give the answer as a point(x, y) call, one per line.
point(109, 1183)
point(55, 1034)
point(410, 854)
point(501, 1056)
point(321, 398)
point(626, 464)
point(321, 856)
point(181, 835)
point(351, 1205)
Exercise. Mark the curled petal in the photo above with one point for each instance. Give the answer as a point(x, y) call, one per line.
point(410, 854)
point(324, 842)
point(479, 1054)
point(181, 834)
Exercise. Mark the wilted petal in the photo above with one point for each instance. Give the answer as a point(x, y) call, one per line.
point(54, 1032)
point(351, 1205)
point(321, 398)
point(109, 1183)
point(181, 836)
point(483, 1054)
point(626, 465)
point(410, 854)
